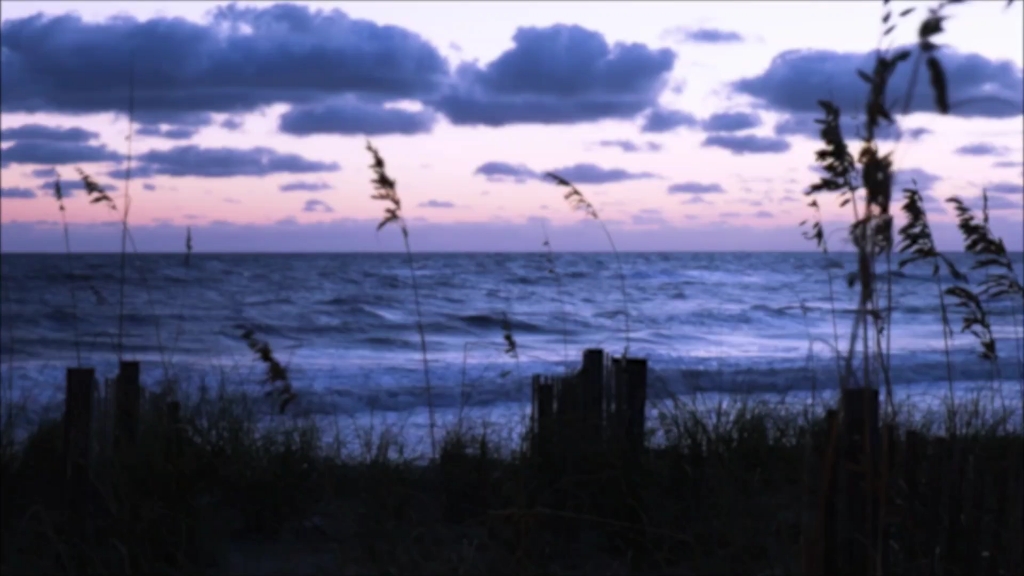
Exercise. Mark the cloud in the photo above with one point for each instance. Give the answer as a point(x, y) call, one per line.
point(43, 133)
point(661, 120)
point(999, 203)
point(981, 149)
point(193, 160)
point(730, 215)
point(740, 144)
point(763, 214)
point(69, 186)
point(695, 188)
point(906, 177)
point(240, 60)
point(21, 193)
point(1011, 188)
point(170, 133)
point(505, 172)
point(231, 123)
point(703, 35)
point(139, 172)
point(561, 74)
point(630, 146)
point(304, 186)
point(149, 187)
point(350, 116)
point(731, 122)
point(1008, 164)
point(796, 79)
point(317, 206)
point(592, 174)
point(54, 153)
point(648, 217)
point(436, 204)
point(804, 125)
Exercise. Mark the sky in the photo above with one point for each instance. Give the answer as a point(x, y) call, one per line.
point(688, 125)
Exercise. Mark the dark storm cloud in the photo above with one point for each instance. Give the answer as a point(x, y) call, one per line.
point(796, 79)
point(192, 160)
point(351, 116)
point(746, 143)
point(47, 133)
point(731, 122)
point(302, 186)
point(242, 59)
point(560, 74)
point(981, 149)
point(54, 153)
point(696, 188)
point(505, 172)
point(661, 120)
point(630, 146)
point(20, 193)
point(805, 125)
point(592, 174)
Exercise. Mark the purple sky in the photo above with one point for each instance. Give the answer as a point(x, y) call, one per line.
point(689, 125)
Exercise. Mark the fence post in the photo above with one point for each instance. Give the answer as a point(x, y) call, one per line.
point(78, 400)
point(636, 394)
point(543, 412)
point(128, 396)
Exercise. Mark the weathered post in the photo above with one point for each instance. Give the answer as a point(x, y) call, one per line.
point(636, 409)
point(128, 395)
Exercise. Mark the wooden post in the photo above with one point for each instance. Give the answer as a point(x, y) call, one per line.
point(618, 423)
point(636, 410)
point(543, 412)
point(78, 398)
point(128, 396)
point(861, 451)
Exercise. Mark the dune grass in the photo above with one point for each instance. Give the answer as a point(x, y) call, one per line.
point(224, 493)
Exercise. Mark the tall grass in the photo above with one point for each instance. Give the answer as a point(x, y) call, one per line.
point(59, 196)
point(552, 269)
point(126, 208)
point(577, 201)
point(385, 190)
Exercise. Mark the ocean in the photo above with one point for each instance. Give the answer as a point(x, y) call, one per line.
point(345, 324)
